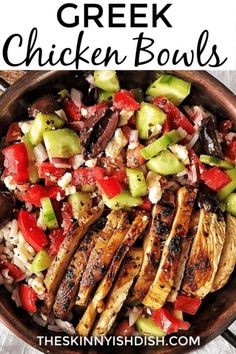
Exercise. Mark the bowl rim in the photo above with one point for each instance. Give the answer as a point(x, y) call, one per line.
point(199, 78)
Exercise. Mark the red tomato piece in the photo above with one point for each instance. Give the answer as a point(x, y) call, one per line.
point(167, 126)
point(14, 271)
point(215, 178)
point(230, 151)
point(134, 157)
point(56, 238)
point(31, 232)
point(187, 304)
point(67, 217)
point(36, 192)
point(13, 133)
point(87, 175)
point(72, 111)
point(28, 298)
point(50, 173)
point(167, 322)
point(124, 330)
point(120, 176)
point(16, 162)
point(175, 116)
point(124, 100)
point(146, 205)
point(110, 186)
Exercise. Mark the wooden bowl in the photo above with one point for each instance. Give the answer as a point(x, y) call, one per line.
point(218, 310)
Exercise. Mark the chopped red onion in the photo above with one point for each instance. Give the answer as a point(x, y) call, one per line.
point(193, 140)
point(133, 139)
point(77, 161)
point(192, 174)
point(59, 162)
point(230, 136)
point(78, 125)
point(76, 97)
point(134, 314)
point(16, 297)
point(182, 132)
point(40, 153)
point(61, 113)
point(90, 79)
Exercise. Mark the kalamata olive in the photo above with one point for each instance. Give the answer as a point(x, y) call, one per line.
point(208, 135)
point(46, 104)
point(7, 204)
point(208, 202)
point(98, 131)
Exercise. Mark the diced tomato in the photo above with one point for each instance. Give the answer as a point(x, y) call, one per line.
point(124, 100)
point(196, 165)
point(174, 115)
point(215, 178)
point(87, 175)
point(56, 238)
point(146, 205)
point(187, 304)
point(110, 186)
point(72, 111)
point(167, 126)
point(120, 176)
point(126, 130)
point(134, 157)
point(99, 109)
point(31, 232)
point(14, 271)
point(36, 192)
point(13, 133)
point(124, 330)
point(67, 217)
point(16, 162)
point(167, 322)
point(28, 298)
point(50, 173)
point(225, 126)
point(230, 151)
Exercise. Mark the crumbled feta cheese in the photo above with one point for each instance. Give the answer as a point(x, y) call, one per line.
point(154, 187)
point(91, 163)
point(58, 197)
point(117, 143)
point(70, 190)
point(125, 117)
point(84, 112)
point(182, 173)
point(9, 183)
point(181, 152)
point(155, 130)
point(25, 126)
point(65, 180)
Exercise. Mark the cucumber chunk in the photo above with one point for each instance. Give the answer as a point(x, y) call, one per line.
point(137, 182)
point(33, 170)
point(148, 117)
point(49, 217)
point(61, 143)
point(214, 161)
point(42, 123)
point(161, 144)
point(124, 200)
point(147, 327)
point(106, 80)
point(80, 202)
point(173, 88)
point(165, 163)
point(41, 262)
point(230, 204)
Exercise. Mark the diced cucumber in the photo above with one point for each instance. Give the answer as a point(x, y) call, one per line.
point(214, 161)
point(80, 202)
point(173, 88)
point(124, 200)
point(106, 80)
point(148, 117)
point(49, 217)
point(147, 327)
point(41, 262)
point(33, 170)
point(137, 182)
point(105, 96)
point(89, 188)
point(61, 143)
point(161, 144)
point(165, 163)
point(230, 204)
point(64, 93)
point(230, 187)
point(42, 123)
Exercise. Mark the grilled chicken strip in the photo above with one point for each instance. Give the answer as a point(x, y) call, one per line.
point(101, 256)
point(171, 255)
point(228, 256)
point(204, 256)
point(162, 216)
point(118, 294)
point(96, 305)
point(68, 289)
point(186, 245)
point(69, 245)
